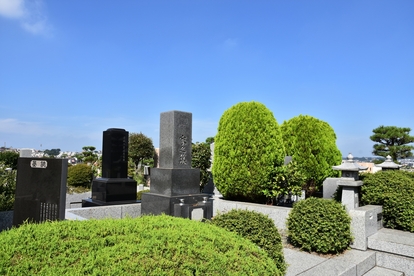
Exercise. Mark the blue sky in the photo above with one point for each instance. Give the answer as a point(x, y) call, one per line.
point(72, 69)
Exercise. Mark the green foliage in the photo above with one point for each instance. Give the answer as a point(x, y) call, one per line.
point(319, 225)
point(312, 144)
point(9, 159)
point(7, 188)
point(392, 140)
point(139, 194)
point(89, 155)
point(247, 147)
point(210, 140)
point(80, 175)
point(201, 159)
point(149, 245)
point(394, 190)
point(139, 148)
point(287, 179)
point(256, 227)
point(51, 152)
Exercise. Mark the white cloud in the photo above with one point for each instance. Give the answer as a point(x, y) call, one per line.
point(14, 126)
point(29, 13)
point(12, 8)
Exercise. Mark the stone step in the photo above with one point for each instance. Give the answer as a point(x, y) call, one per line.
point(393, 241)
point(351, 263)
point(381, 271)
point(395, 250)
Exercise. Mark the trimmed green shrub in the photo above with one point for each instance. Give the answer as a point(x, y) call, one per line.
point(139, 194)
point(7, 188)
point(80, 175)
point(394, 190)
point(319, 225)
point(248, 146)
point(312, 144)
point(148, 245)
point(256, 227)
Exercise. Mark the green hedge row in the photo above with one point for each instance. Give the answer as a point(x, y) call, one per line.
point(394, 190)
point(149, 245)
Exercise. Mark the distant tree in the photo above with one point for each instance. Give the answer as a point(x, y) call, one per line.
point(201, 154)
point(9, 159)
point(89, 155)
point(140, 148)
point(210, 140)
point(392, 141)
point(248, 146)
point(52, 152)
point(312, 145)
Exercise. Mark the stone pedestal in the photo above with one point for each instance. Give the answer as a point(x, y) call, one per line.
point(173, 182)
point(178, 206)
point(350, 193)
point(366, 221)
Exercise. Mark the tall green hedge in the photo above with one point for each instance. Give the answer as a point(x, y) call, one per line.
point(312, 144)
point(394, 190)
point(248, 146)
point(149, 245)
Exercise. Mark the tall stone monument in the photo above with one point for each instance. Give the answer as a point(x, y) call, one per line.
point(40, 190)
point(114, 187)
point(175, 186)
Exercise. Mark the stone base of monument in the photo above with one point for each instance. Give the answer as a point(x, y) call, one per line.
point(112, 191)
point(178, 206)
point(175, 181)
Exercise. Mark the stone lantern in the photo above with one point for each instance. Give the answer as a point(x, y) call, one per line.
point(388, 164)
point(350, 182)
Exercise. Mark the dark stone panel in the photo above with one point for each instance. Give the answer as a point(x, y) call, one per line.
point(115, 153)
point(175, 181)
point(40, 190)
point(114, 189)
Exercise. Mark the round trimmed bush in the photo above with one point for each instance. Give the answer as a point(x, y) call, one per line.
point(256, 227)
point(149, 245)
point(394, 190)
point(247, 148)
point(319, 225)
point(80, 175)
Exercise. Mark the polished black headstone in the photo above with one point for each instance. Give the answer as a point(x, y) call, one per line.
point(115, 153)
point(114, 186)
point(40, 190)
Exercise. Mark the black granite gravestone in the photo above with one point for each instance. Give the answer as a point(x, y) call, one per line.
point(175, 186)
point(40, 190)
point(114, 187)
